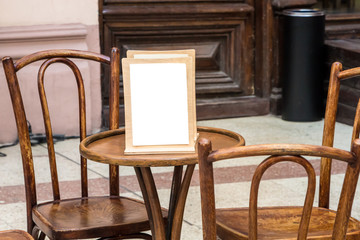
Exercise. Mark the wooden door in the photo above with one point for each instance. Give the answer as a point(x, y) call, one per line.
point(221, 32)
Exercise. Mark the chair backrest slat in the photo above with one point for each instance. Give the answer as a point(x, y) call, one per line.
point(309, 198)
point(24, 138)
point(278, 149)
point(347, 194)
point(47, 122)
point(337, 74)
point(356, 126)
point(207, 190)
point(114, 115)
point(328, 134)
point(66, 53)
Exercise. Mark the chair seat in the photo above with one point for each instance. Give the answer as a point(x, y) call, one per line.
point(72, 218)
point(15, 235)
point(279, 223)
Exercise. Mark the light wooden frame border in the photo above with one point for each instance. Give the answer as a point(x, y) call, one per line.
point(191, 103)
point(173, 54)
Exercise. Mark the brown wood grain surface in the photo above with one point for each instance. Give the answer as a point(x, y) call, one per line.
point(108, 147)
point(224, 35)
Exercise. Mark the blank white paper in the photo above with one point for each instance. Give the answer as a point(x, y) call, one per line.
point(159, 104)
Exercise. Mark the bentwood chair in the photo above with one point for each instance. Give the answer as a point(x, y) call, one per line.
point(15, 235)
point(288, 222)
point(85, 216)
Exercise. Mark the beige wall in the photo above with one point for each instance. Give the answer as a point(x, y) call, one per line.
point(35, 25)
point(40, 12)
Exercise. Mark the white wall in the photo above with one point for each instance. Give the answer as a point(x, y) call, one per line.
point(40, 12)
point(27, 26)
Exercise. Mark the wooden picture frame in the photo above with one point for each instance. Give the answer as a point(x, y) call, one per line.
point(147, 54)
point(160, 106)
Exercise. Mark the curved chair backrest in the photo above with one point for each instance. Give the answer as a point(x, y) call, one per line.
point(278, 153)
point(309, 198)
point(50, 57)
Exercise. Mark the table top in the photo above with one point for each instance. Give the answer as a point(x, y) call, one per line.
point(108, 147)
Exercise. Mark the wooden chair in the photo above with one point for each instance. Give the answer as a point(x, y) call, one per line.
point(82, 217)
point(15, 235)
point(288, 222)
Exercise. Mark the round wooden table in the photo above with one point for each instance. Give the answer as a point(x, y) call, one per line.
point(108, 147)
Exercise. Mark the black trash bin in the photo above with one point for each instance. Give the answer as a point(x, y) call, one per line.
point(302, 64)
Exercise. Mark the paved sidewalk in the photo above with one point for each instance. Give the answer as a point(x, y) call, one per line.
point(232, 177)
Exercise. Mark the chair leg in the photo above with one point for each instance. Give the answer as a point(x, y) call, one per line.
point(37, 234)
point(42, 236)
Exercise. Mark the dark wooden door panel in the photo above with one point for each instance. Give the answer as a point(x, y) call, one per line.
point(218, 69)
point(221, 32)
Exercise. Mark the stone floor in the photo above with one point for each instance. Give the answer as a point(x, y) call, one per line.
point(232, 177)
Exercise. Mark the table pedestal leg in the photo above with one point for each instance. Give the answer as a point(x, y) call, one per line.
point(180, 204)
point(152, 203)
point(174, 195)
point(179, 191)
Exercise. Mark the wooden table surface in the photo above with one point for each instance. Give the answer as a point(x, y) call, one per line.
point(108, 147)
